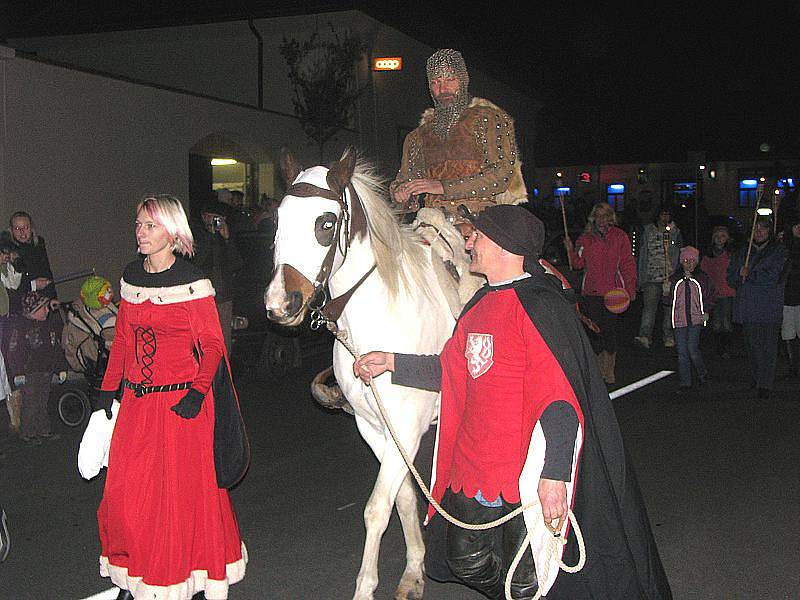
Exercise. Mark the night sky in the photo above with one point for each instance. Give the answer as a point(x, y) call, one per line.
point(641, 85)
point(618, 84)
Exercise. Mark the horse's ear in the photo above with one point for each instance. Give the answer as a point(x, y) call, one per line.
point(290, 168)
point(340, 173)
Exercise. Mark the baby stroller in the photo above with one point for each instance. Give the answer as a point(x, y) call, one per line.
point(86, 340)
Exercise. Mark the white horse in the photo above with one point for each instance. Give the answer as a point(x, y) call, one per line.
point(336, 228)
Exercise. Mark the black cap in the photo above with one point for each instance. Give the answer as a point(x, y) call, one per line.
point(216, 207)
point(511, 227)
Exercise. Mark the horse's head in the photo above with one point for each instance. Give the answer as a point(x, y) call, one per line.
point(314, 221)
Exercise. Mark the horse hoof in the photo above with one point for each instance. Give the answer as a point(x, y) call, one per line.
point(411, 590)
point(326, 391)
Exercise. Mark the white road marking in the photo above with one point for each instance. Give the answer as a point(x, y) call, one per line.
point(107, 595)
point(639, 384)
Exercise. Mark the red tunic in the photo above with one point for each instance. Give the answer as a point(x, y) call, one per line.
point(498, 377)
point(166, 529)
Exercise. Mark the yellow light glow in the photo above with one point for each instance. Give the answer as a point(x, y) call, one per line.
point(218, 162)
point(387, 63)
point(764, 212)
point(559, 174)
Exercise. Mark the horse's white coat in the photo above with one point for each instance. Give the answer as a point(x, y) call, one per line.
point(416, 320)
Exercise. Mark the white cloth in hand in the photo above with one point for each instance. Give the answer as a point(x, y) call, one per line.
point(96, 441)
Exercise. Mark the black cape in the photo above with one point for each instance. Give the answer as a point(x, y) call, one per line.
point(622, 561)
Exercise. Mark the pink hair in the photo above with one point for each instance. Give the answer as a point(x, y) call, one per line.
point(168, 211)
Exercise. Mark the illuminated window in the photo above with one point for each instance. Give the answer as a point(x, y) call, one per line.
point(748, 193)
point(787, 184)
point(559, 194)
point(615, 196)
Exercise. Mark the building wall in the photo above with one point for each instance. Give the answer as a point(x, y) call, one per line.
point(720, 194)
point(221, 60)
point(79, 150)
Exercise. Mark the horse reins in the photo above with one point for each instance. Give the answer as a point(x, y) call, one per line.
point(354, 223)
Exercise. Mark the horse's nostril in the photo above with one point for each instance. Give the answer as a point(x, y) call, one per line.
point(270, 314)
point(294, 303)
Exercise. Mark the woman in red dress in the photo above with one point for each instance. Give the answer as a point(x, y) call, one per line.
point(167, 528)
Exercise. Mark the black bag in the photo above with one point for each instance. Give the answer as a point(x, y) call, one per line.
point(231, 447)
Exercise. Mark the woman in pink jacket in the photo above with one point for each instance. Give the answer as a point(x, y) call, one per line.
point(604, 252)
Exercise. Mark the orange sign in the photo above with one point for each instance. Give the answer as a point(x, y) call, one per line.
point(387, 63)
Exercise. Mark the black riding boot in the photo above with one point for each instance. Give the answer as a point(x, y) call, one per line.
point(124, 595)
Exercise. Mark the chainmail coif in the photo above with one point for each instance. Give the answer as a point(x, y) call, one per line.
point(448, 63)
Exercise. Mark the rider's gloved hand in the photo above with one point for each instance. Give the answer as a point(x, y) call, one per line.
point(189, 406)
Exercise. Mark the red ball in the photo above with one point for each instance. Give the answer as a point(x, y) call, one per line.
point(617, 300)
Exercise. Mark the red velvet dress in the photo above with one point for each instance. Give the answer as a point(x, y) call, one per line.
point(167, 530)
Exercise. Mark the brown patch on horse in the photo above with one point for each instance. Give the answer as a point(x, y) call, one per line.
point(358, 218)
point(295, 281)
point(290, 168)
point(341, 172)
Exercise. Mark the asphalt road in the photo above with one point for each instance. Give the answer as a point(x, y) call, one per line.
point(719, 472)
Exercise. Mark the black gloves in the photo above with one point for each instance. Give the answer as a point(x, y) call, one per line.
point(189, 406)
point(103, 400)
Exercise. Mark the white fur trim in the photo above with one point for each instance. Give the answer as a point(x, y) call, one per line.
point(198, 581)
point(547, 568)
point(201, 288)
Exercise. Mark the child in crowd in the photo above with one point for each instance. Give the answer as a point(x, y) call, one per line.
point(716, 267)
point(34, 355)
point(690, 301)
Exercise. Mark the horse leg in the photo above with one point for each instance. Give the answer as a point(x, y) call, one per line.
point(376, 519)
point(413, 582)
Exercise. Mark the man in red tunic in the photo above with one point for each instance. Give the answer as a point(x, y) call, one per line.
point(525, 417)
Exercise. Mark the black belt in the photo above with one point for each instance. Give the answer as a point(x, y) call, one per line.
point(140, 389)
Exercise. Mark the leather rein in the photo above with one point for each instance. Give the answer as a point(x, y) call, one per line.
point(353, 225)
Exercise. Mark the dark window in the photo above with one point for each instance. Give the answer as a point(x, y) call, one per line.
point(683, 193)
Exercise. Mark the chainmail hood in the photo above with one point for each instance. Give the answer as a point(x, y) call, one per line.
point(448, 63)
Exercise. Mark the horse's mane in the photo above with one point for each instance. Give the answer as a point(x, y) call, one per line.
point(399, 254)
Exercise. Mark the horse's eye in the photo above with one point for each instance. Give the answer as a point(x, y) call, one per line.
point(324, 228)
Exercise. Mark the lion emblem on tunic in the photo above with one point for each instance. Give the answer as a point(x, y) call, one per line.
point(479, 352)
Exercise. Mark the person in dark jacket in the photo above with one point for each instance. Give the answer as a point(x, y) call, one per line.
point(35, 264)
point(690, 303)
point(35, 354)
point(758, 305)
point(219, 258)
point(790, 326)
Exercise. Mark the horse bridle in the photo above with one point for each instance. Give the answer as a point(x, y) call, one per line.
point(355, 224)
